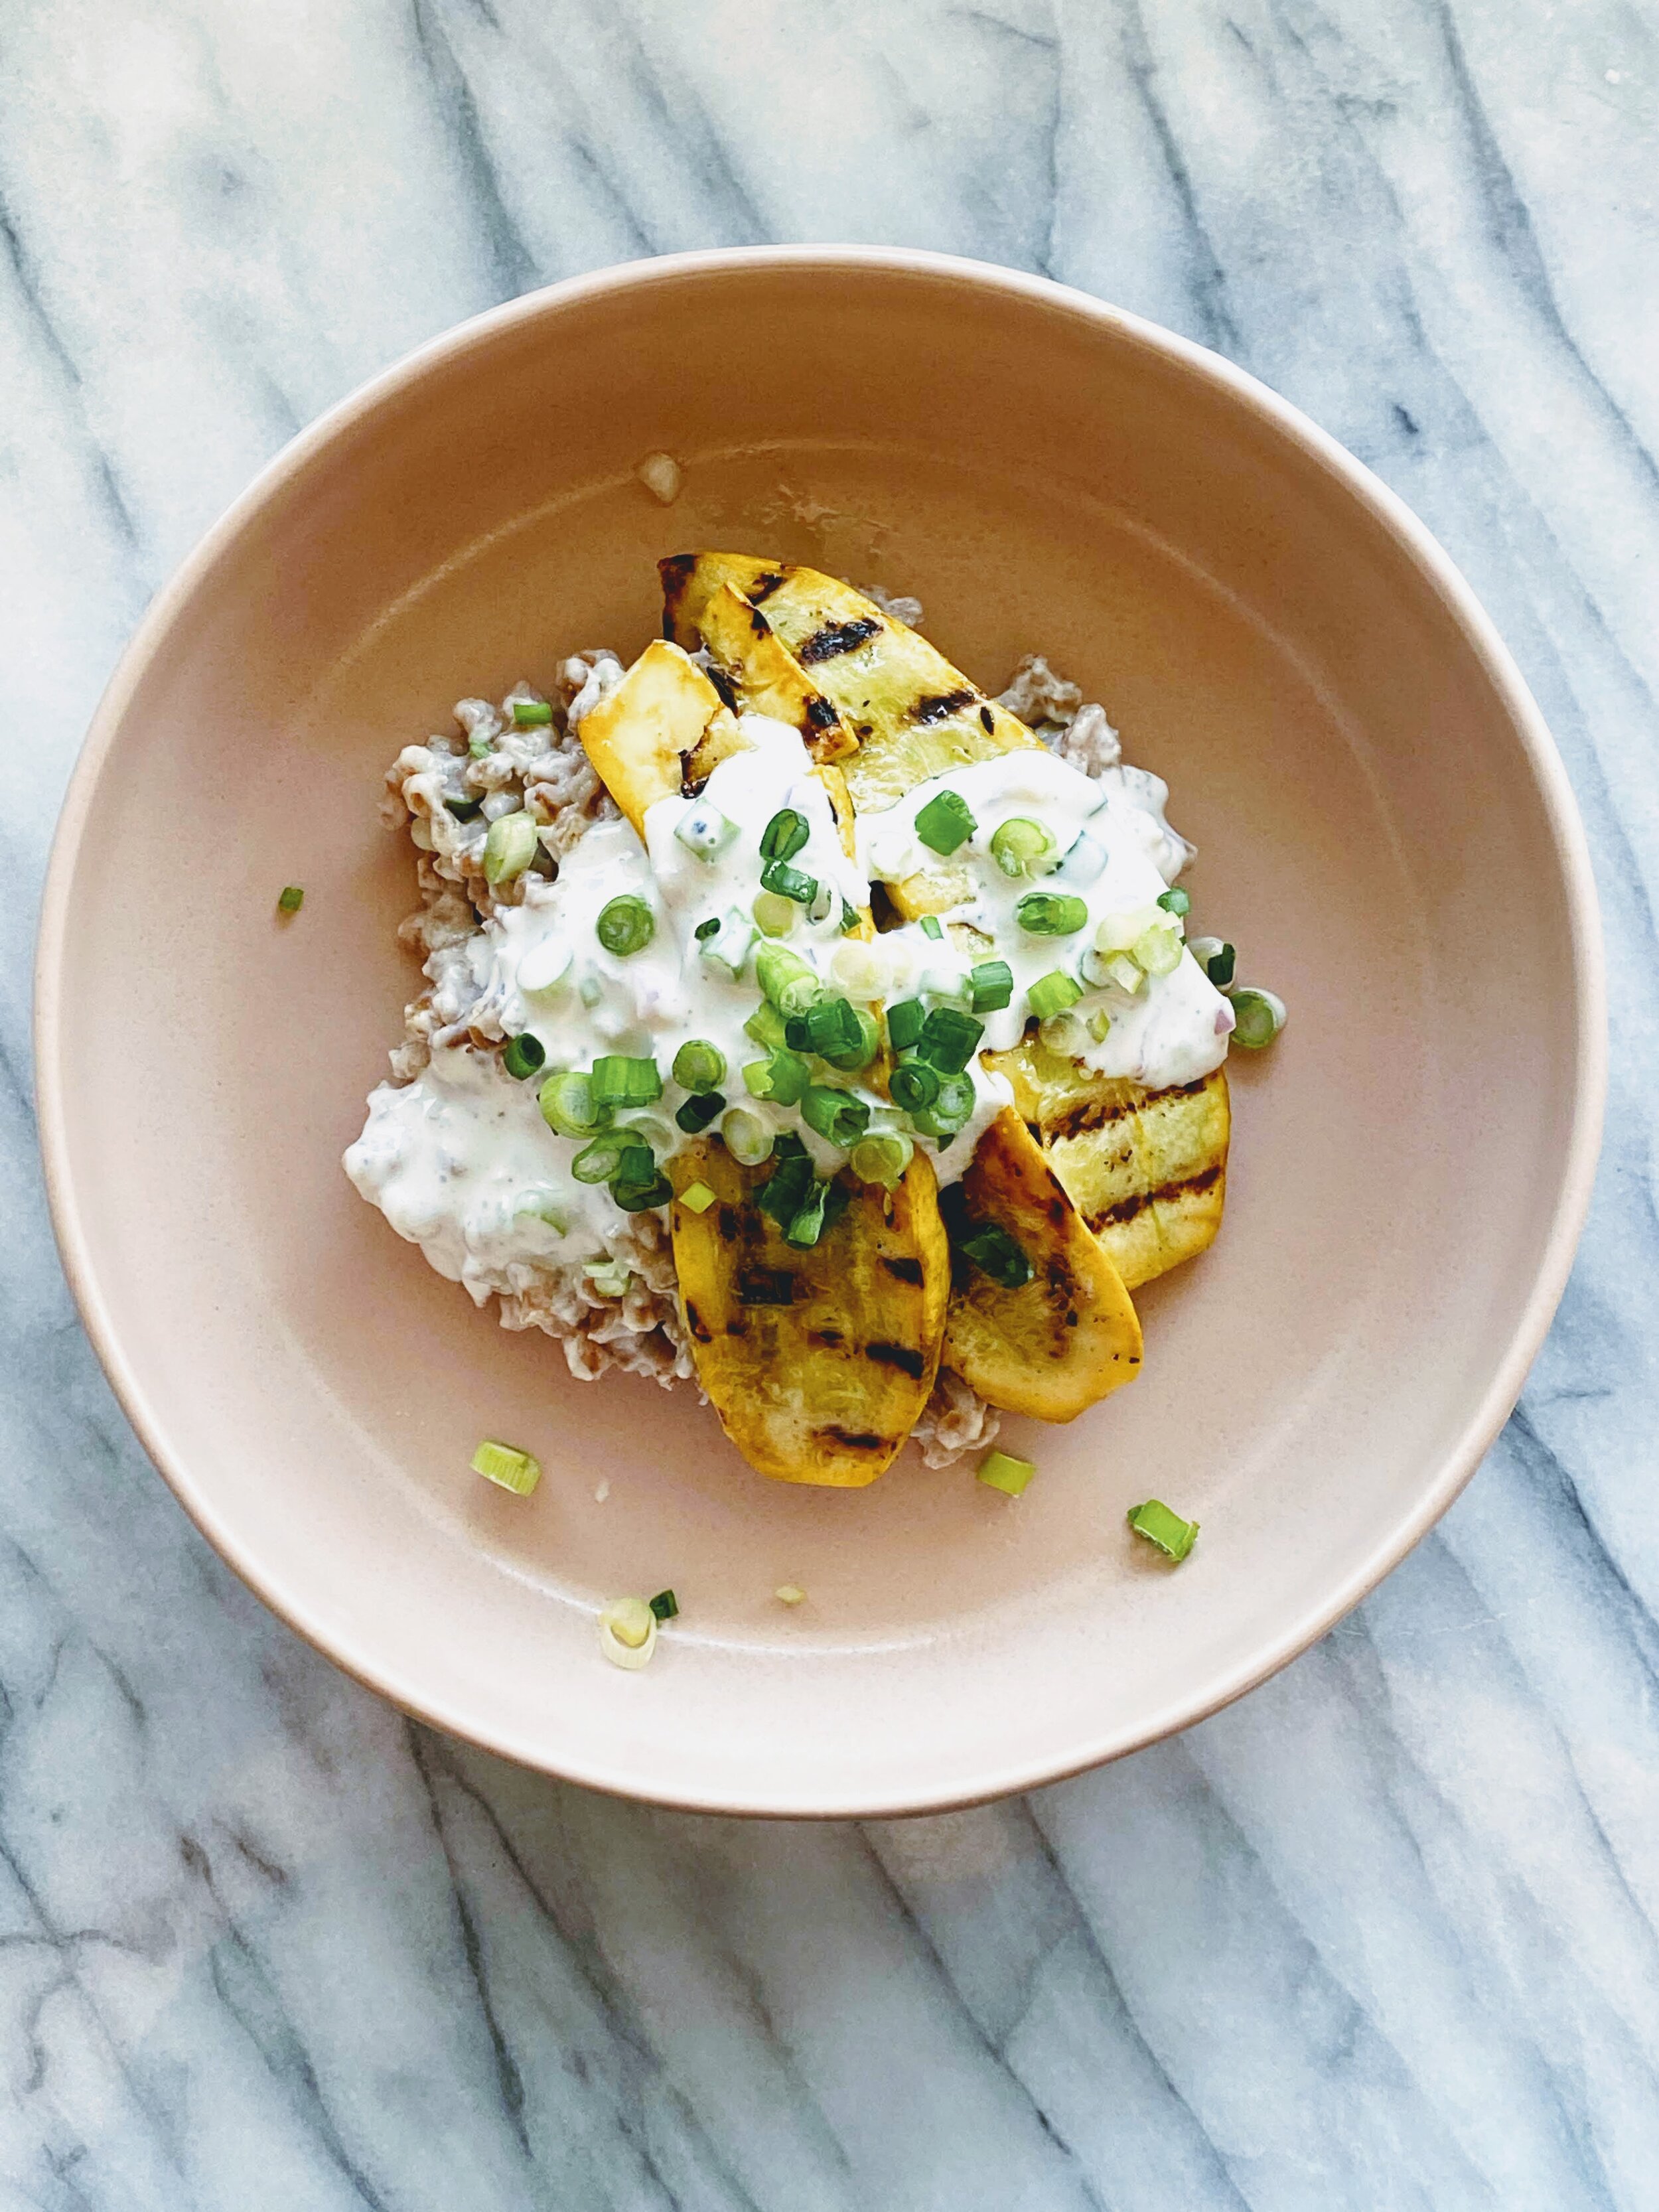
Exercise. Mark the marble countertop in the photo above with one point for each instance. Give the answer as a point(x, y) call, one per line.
point(1384, 1934)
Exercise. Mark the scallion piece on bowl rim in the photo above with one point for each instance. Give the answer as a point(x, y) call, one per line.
point(1159, 1525)
point(628, 1633)
point(1258, 1016)
point(1000, 1470)
point(290, 898)
point(508, 1468)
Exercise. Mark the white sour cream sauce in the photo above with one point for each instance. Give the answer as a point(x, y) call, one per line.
point(460, 1160)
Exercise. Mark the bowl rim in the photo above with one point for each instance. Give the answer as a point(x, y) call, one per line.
point(1436, 568)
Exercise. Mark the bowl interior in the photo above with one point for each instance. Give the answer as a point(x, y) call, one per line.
point(1372, 832)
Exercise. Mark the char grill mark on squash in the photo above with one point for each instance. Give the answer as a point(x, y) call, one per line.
point(906, 1271)
point(836, 639)
point(901, 1356)
point(763, 587)
point(939, 706)
point(821, 713)
point(863, 1440)
point(766, 1286)
point(987, 719)
point(1127, 1208)
point(695, 1322)
point(723, 684)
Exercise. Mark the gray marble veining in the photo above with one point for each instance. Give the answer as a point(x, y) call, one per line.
point(1383, 1936)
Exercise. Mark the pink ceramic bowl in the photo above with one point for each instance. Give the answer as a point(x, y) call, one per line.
point(1381, 821)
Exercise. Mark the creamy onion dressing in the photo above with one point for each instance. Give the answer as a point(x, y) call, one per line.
point(460, 1160)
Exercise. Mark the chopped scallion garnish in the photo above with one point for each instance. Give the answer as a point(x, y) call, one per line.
point(784, 835)
point(784, 882)
point(1176, 902)
point(513, 1470)
point(1000, 1470)
point(906, 1019)
point(664, 1605)
point(774, 915)
point(1221, 966)
point(950, 1110)
point(695, 1114)
point(914, 1085)
point(949, 1039)
point(786, 979)
point(291, 899)
point(524, 1056)
point(1051, 913)
point(991, 986)
point(628, 1633)
point(699, 1065)
point(1052, 993)
point(509, 847)
point(530, 714)
point(1159, 1525)
point(1159, 950)
point(1258, 1016)
point(945, 823)
point(787, 1188)
point(882, 1158)
point(790, 1593)
point(996, 1253)
point(781, 1079)
point(934, 928)
point(626, 925)
point(1021, 846)
point(615, 1153)
point(619, 1080)
point(746, 1137)
point(835, 1115)
point(568, 1106)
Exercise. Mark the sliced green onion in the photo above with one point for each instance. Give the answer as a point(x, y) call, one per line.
point(1000, 1470)
point(543, 1204)
point(830, 1025)
point(1258, 1016)
point(934, 928)
point(606, 1157)
point(804, 1228)
point(695, 1114)
point(705, 930)
point(697, 1197)
point(1218, 959)
point(628, 1633)
point(530, 714)
point(1123, 970)
point(784, 835)
point(906, 1019)
point(768, 1027)
point(664, 1605)
point(619, 1080)
point(1021, 846)
point(882, 1158)
point(480, 744)
point(517, 1471)
point(468, 808)
point(787, 1188)
point(524, 1056)
point(1159, 1525)
point(836, 1115)
point(746, 1137)
point(996, 1253)
point(568, 1106)
point(991, 986)
point(625, 925)
point(1052, 993)
point(1051, 913)
point(1158, 950)
point(699, 1065)
point(784, 882)
point(1100, 1025)
point(609, 1278)
point(643, 1196)
point(851, 919)
point(914, 1085)
point(781, 1079)
point(727, 943)
point(774, 915)
point(945, 823)
point(1177, 902)
point(704, 830)
point(950, 1039)
point(950, 1110)
point(858, 1054)
point(786, 979)
point(510, 848)
point(290, 898)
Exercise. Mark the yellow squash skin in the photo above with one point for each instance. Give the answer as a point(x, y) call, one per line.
point(747, 650)
point(913, 714)
point(1070, 1336)
point(1147, 1170)
point(637, 736)
point(817, 1363)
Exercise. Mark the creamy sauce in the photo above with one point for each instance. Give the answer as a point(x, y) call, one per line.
point(460, 1160)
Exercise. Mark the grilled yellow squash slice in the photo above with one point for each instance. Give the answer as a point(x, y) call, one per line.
point(911, 713)
point(1147, 1170)
point(745, 648)
point(1067, 1338)
point(638, 734)
point(818, 1363)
